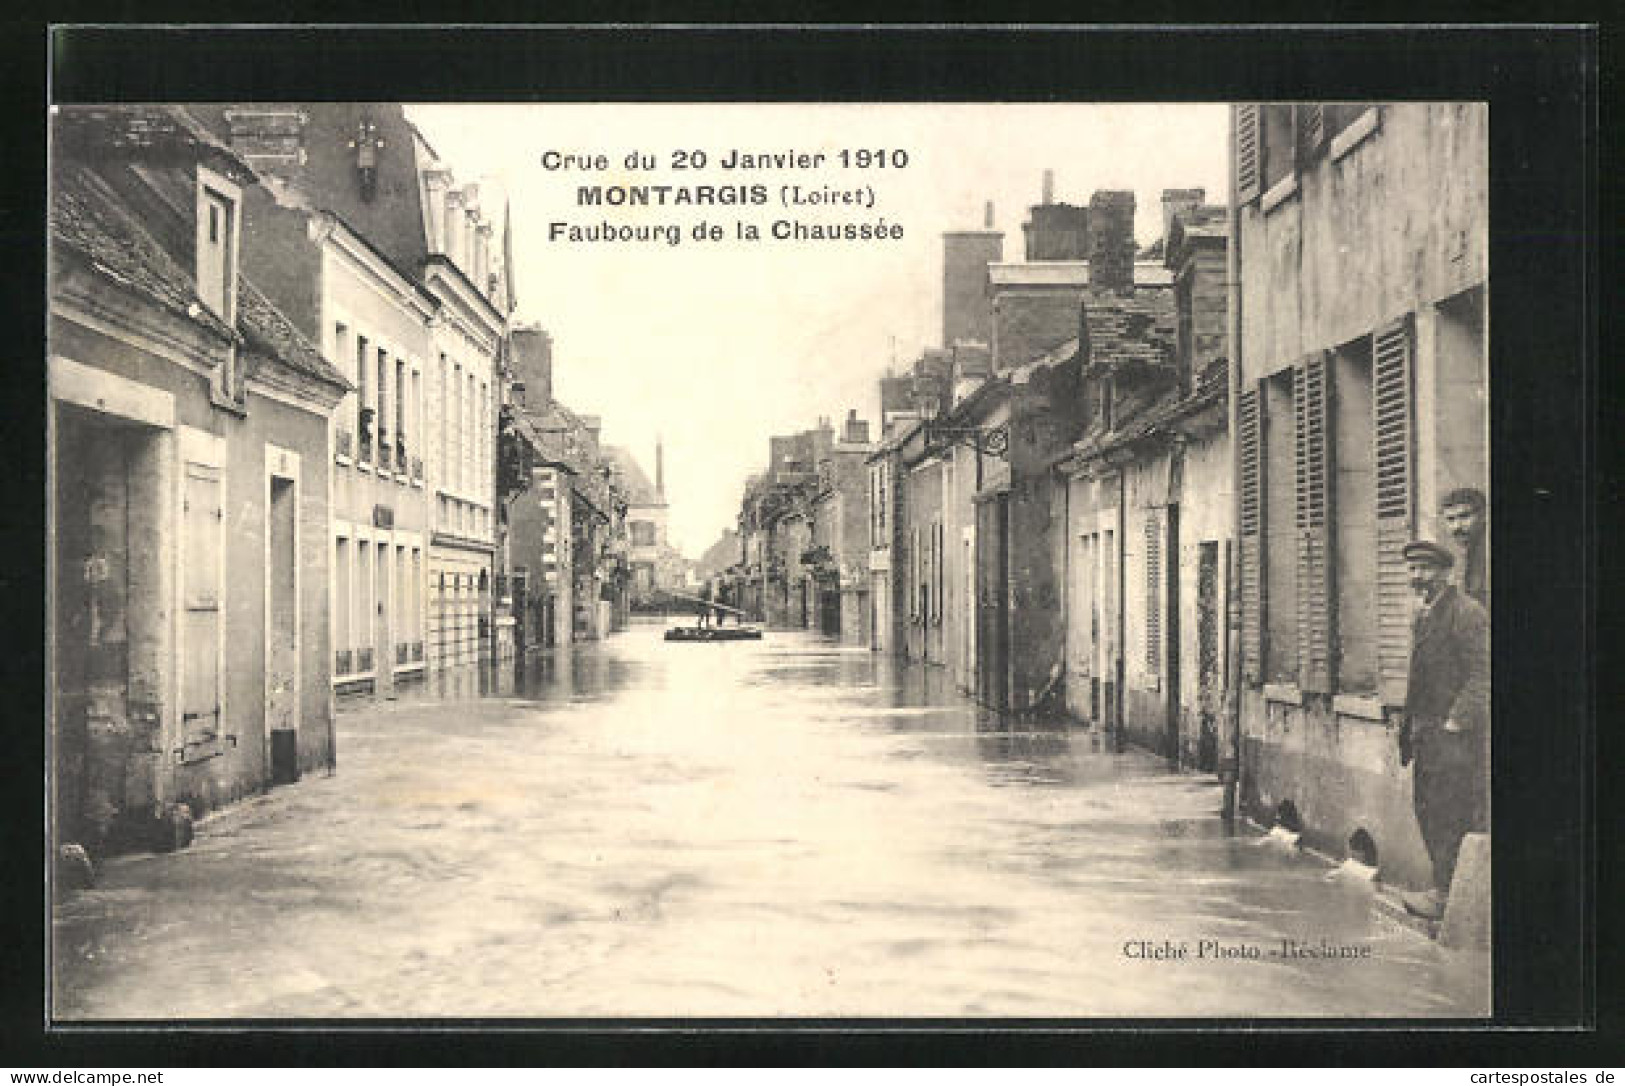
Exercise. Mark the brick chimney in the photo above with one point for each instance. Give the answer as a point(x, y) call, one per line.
point(1178, 202)
point(856, 430)
point(966, 313)
point(532, 359)
point(1055, 231)
point(1112, 249)
point(660, 468)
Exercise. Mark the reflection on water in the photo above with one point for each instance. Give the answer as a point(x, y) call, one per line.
point(787, 826)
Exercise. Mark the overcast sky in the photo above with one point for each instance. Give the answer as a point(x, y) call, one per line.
point(715, 346)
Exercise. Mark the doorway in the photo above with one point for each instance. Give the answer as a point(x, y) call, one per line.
point(1209, 675)
point(282, 631)
point(992, 594)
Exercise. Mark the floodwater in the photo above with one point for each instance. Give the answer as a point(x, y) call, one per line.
point(784, 827)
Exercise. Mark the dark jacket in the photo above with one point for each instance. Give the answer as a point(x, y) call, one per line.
point(1450, 663)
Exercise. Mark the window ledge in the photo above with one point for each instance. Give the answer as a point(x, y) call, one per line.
point(1364, 706)
point(340, 458)
point(418, 483)
point(362, 465)
point(1279, 193)
point(1352, 136)
point(1284, 693)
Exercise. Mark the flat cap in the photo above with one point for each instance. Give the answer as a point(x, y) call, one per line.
point(1425, 550)
point(1464, 495)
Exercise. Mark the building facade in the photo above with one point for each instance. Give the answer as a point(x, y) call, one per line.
point(1360, 330)
point(1149, 502)
point(188, 639)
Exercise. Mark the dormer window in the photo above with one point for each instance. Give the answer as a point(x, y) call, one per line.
point(217, 229)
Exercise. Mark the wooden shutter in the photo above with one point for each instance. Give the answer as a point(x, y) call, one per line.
point(1153, 595)
point(1249, 425)
point(1311, 395)
point(1394, 432)
point(200, 629)
point(1248, 162)
point(1311, 125)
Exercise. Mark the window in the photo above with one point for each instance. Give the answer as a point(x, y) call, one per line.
point(384, 437)
point(365, 413)
point(1278, 144)
point(643, 533)
point(1354, 498)
point(400, 413)
point(342, 657)
point(444, 408)
point(1280, 536)
point(1340, 115)
point(217, 244)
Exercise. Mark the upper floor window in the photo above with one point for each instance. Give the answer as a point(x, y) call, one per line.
point(217, 202)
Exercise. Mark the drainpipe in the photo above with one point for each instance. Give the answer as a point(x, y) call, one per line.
point(1230, 762)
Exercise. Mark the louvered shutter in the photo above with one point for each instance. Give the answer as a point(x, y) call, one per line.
point(200, 629)
point(1395, 452)
point(1248, 161)
point(1153, 600)
point(1250, 432)
point(1311, 394)
point(1311, 125)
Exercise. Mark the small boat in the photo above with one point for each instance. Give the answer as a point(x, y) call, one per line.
point(713, 633)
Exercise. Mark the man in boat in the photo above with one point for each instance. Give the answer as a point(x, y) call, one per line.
point(704, 605)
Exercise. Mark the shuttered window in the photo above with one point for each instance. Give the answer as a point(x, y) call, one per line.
point(1247, 159)
point(1311, 393)
point(200, 632)
point(1153, 595)
point(1395, 453)
point(1252, 535)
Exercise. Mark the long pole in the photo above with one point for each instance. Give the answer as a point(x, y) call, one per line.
point(1230, 762)
point(708, 603)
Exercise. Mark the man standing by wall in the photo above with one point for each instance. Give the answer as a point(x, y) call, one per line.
point(1447, 719)
point(1464, 515)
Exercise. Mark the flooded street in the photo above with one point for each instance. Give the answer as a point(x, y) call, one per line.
point(784, 827)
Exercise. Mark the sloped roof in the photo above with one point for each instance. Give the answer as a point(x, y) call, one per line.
point(273, 340)
point(639, 490)
point(86, 221)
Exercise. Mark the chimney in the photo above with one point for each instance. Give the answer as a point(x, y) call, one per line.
point(856, 431)
point(660, 468)
point(987, 216)
point(1056, 231)
point(533, 365)
point(1177, 202)
point(1111, 237)
point(966, 312)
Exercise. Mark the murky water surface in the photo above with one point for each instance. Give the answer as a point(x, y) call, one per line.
point(785, 827)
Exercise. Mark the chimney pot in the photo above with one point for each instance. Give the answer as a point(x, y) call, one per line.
point(987, 216)
point(1049, 187)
